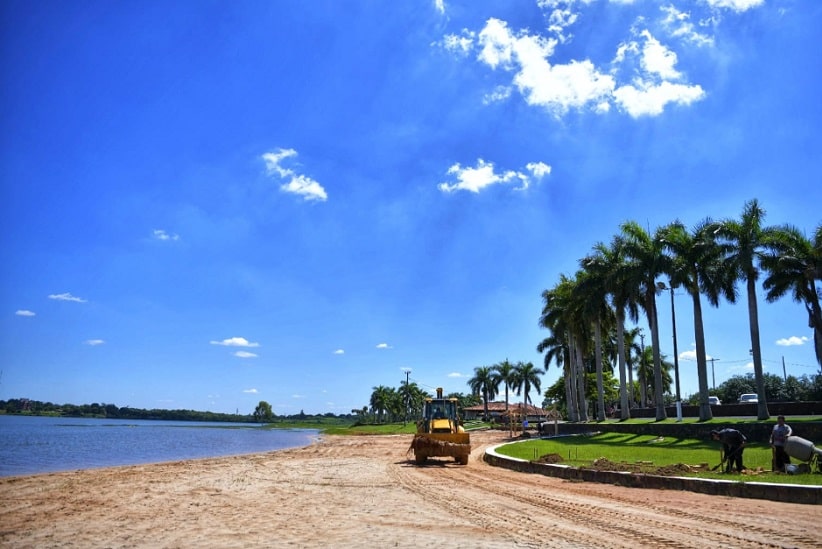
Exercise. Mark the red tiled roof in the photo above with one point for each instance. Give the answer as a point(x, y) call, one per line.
point(512, 407)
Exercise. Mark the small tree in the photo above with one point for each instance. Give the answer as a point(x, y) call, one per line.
point(263, 413)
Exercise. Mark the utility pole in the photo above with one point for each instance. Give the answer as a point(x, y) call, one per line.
point(407, 395)
point(784, 372)
point(713, 372)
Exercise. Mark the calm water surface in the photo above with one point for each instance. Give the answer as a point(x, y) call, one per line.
point(30, 445)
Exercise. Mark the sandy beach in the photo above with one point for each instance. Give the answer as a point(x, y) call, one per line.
point(366, 491)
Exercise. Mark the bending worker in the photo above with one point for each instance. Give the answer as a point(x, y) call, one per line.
point(779, 436)
point(733, 444)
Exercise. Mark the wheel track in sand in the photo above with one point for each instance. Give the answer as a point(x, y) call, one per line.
point(578, 515)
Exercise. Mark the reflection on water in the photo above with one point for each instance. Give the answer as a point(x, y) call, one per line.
point(30, 445)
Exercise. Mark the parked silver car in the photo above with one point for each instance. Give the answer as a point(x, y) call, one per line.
point(749, 398)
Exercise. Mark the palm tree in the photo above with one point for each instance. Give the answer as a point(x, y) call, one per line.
point(646, 262)
point(380, 401)
point(579, 337)
point(748, 238)
point(412, 398)
point(624, 299)
point(696, 265)
point(593, 289)
point(794, 264)
point(645, 369)
point(526, 375)
point(633, 352)
point(485, 384)
point(561, 315)
point(504, 373)
point(556, 350)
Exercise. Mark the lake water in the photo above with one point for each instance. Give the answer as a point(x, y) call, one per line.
point(30, 445)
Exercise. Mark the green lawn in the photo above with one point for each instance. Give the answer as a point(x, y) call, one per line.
point(582, 450)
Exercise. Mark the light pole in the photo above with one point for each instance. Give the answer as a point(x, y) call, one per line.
point(662, 286)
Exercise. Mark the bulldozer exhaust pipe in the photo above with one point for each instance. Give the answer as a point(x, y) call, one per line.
point(439, 392)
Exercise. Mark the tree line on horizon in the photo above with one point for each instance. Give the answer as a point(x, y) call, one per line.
point(586, 313)
point(25, 406)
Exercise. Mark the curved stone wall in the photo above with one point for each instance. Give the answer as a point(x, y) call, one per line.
point(791, 493)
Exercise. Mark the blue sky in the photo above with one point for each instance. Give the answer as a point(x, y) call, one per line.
point(209, 204)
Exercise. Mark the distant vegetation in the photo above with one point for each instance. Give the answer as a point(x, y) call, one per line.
point(24, 406)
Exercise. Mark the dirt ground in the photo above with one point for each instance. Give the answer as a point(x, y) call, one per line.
point(366, 491)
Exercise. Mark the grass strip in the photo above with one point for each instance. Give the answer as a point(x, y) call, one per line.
point(583, 450)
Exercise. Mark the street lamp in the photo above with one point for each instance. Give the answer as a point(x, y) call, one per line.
point(662, 286)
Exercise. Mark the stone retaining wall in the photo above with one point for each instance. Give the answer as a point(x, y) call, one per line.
point(790, 493)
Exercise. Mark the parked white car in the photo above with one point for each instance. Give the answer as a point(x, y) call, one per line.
point(714, 401)
point(749, 398)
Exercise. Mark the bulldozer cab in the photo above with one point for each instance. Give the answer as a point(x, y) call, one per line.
point(440, 415)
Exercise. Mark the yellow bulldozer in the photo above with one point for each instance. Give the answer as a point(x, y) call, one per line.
point(440, 432)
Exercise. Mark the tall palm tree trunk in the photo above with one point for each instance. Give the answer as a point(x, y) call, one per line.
point(581, 402)
point(624, 409)
point(815, 322)
point(658, 399)
point(705, 412)
point(571, 382)
point(753, 322)
point(570, 398)
point(598, 357)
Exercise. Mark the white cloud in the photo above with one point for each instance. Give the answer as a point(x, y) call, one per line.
point(658, 59)
point(456, 374)
point(235, 342)
point(791, 341)
point(339, 352)
point(67, 297)
point(678, 25)
point(645, 99)
point(500, 93)
point(654, 78)
point(94, 342)
point(691, 355)
point(556, 88)
point(383, 346)
point(643, 78)
point(161, 234)
point(251, 391)
point(539, 169)
point(439, 5)
point(687, 355)
point(25, 312)
point(461, 45)
point(735, 5)
point(483, 175)
point(245, 354)
point(297, 396)
point(295, 183)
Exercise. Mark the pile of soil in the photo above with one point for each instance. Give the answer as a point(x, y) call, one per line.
point(648, 468)
point(550, 458)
